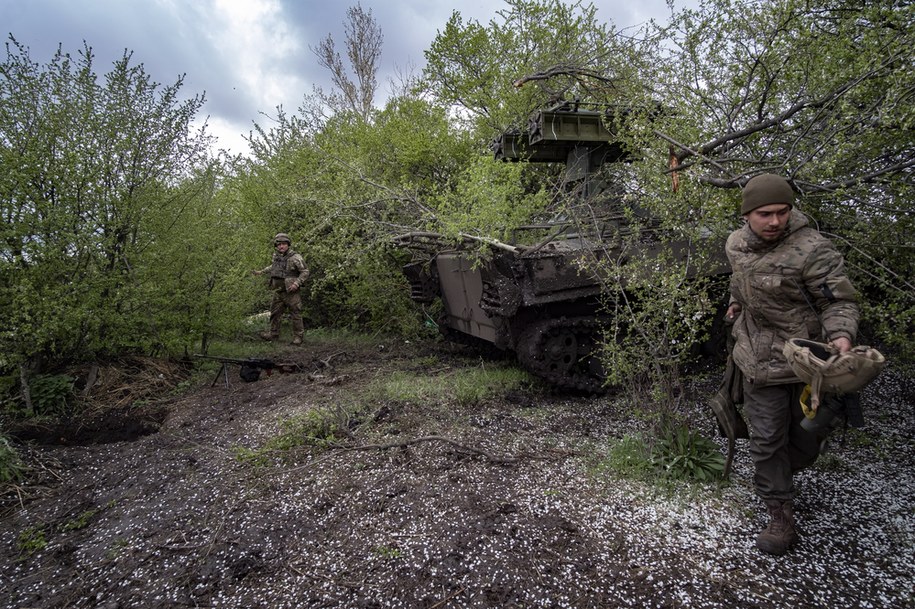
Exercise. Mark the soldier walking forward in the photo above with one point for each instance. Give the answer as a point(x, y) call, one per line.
point(788, 282)
point(287, 275)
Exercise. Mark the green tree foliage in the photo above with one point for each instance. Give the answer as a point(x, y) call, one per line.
point(535, 52)
point(110, 228)
point(488, 202)
point(342, 187)
point(819, 92)
point(194, 281)
point(815, 91)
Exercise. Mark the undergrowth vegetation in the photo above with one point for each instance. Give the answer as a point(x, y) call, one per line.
point(463, 387)
point(329, 425)
point(320, 428)
point(678, 453)
point(667, 449)
point(11, 466)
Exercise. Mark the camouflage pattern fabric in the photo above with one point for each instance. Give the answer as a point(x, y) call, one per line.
point(778, 286)
point(821, 366)
point(285, 271)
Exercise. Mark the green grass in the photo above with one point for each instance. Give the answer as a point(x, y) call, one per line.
point(250, 456)
point(679, 454)
point(342, 339)
point(831, 462)
point(319, 427)
point(117, 547)
point(323, 426)
point(629, 457)
point(31, 540)
point(79, 522)
point(255, 347)
point(388, 552)
point(239, 349)
point(465, 386)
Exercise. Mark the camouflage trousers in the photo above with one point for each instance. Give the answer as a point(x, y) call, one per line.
point(779, 445)
point(282, 302)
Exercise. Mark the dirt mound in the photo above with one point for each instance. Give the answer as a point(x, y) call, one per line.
point(116, 401)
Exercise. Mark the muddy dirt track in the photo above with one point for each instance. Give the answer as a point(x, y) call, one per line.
point(501, 503)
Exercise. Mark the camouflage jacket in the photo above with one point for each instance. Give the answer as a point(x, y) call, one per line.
point(287, 269)
point(778, 285)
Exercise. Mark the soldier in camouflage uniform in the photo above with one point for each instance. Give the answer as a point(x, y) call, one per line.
point(788, 282)
point(287, 274)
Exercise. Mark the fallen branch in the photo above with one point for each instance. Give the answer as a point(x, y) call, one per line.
point(325, 363)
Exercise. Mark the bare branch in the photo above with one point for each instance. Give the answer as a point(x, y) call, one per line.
point(563, 70)
point(781, 119)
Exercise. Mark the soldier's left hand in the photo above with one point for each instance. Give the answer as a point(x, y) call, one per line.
point(293, 288)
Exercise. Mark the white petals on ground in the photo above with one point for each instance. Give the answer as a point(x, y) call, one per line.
point(177, 519)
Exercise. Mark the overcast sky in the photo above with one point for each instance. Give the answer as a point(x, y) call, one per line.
point(249, 56)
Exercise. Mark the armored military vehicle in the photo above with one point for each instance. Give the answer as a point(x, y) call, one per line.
point(542, 300)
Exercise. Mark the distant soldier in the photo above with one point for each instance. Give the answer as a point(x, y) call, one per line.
point(287, 275)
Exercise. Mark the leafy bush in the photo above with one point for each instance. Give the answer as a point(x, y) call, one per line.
point(686, 455)
point(52, 394)
point(114, 259)
point(678, 454)
point(11, 467)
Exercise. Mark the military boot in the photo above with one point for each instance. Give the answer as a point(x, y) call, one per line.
point(269, 336)
point(780, 534)
point(297, 340)
point(788, 509)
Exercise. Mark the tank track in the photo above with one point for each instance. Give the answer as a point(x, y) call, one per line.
point(562, 351)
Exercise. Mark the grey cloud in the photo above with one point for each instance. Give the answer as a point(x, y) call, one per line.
point(175, 38)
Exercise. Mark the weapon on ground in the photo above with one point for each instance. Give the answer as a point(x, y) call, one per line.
point(250, 368)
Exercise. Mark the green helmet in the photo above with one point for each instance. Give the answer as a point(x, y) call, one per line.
point(282, 237)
